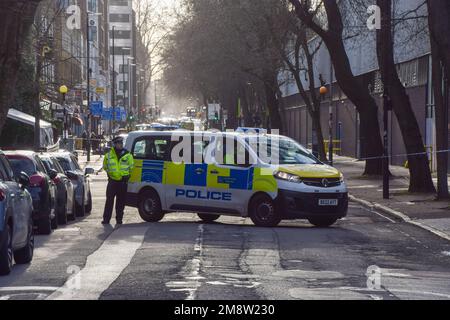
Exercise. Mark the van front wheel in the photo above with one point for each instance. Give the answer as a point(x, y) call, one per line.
point(263, 212)
point(150, 206)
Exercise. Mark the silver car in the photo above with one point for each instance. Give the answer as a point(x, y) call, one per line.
point(16, 222)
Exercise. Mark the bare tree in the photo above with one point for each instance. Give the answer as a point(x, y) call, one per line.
point(420, 174)
point(325, 19)
point(16, 18)
point(153, 30)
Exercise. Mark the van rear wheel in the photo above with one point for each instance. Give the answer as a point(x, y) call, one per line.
point(150, 206)
point(322, 222)
point(263, 212)
point(208, 218)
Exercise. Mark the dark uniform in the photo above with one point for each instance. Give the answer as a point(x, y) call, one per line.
point(118, 164)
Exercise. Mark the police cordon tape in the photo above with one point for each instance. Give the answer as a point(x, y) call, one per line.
point(396, 156)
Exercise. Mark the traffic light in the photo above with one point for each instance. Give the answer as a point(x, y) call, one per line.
point(216, 116)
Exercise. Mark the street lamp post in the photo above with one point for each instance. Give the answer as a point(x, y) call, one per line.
point(88, 81)
point(63, 90)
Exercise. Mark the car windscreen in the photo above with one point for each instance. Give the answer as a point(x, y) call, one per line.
point(48, 164)
point(280, 150)
point(22, 165)
point(66, 164)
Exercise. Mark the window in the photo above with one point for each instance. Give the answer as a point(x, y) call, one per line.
point(39, 165)
point(123, 85)
point(57, 165)
point(8, 170)
point(121, 34)
point(230, 152)
point(119, 3)
point(123, 68)
point(284, 151)
point(119, 17)
point(151, 148)
point(75, 163)
point(22, 164)
point(3, 175)
point(119, 51)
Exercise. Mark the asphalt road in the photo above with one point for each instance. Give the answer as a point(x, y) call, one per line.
point(182, 258)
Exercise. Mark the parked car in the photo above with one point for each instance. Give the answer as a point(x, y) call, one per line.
point(80, 180)
point(16, 222)
point(65, 205)
point(41, 187)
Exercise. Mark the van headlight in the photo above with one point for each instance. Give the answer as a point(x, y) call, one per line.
point(287, 177)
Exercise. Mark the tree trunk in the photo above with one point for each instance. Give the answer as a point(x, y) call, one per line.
point(439, 24)
point(317, 127)
point(16, 17)
point(420, 174)
point(441, 124)
point(271, 92)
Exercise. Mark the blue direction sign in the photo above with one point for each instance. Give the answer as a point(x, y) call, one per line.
point(96, 108)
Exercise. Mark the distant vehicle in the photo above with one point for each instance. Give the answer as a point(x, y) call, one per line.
point(80, 180)
point(65, 205)
point(41, 187)
point(187, 125)
point(16, 222)
point(157, 127)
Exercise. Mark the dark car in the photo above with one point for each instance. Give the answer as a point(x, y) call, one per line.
point(41, 187)
point(65, 206)
point(80, 180)
point(16, 223)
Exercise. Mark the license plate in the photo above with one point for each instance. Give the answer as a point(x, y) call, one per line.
point(328, 202)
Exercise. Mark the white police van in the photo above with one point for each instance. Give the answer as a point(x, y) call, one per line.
point(267, 178)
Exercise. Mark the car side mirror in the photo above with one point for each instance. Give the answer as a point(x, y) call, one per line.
point(24, 180)
point(71, 175)
point(89, 171)
point(52, 174)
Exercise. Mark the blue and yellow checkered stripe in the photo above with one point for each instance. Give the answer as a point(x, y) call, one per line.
point(198, 175)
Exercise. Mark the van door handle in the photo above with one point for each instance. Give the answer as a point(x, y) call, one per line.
point(214, 172)
point(199, 171)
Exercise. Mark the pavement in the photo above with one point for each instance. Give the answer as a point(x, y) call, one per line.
point(95, 162)
point(422, 210)
point(365, 256)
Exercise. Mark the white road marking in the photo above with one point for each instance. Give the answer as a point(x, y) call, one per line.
point(28, 289)
point(191, 271)
point(379, 214)
point(104, 266)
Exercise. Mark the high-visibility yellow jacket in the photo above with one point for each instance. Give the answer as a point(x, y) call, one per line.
point(115, 168)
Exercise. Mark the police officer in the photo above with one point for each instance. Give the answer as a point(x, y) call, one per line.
point(118, 164)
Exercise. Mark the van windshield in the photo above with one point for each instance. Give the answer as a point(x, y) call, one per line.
point(280, 150)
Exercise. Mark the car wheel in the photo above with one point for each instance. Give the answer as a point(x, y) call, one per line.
point(208, 218)
point(81, 209)
point(322, 222)
point(25, 255)
point(150, 207)
point(72, 217)
point(263, 212)
point(6, 252)
point(45, 225)
point(89, 204)
point(62, 215)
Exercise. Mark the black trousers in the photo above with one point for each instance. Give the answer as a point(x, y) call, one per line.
point(117, 190)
